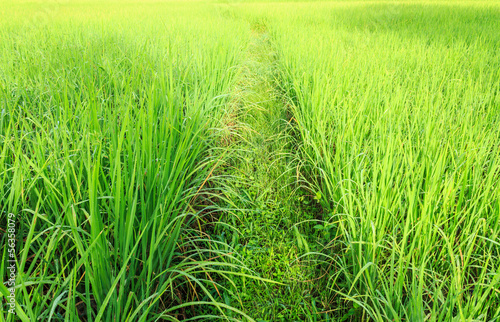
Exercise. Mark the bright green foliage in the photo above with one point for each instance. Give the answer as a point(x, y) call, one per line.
point(160, 155)
point(105, 123)
point(398, 108)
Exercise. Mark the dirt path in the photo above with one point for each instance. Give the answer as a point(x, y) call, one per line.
point(261, 197)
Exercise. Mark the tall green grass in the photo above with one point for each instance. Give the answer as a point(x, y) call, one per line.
point(110, 117)
point(398, 109)
point(106, 120)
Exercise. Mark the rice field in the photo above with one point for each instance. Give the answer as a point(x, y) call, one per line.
point(250, 161)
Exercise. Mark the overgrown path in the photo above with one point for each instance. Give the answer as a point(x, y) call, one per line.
point(261, 195)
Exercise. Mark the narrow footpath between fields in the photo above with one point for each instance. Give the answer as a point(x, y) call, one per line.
point(263, 200)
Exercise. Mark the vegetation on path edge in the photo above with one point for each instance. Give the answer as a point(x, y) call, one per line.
point(260, 161)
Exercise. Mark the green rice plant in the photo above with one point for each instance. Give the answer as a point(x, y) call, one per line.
point(106, 122)
point(399, 123)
